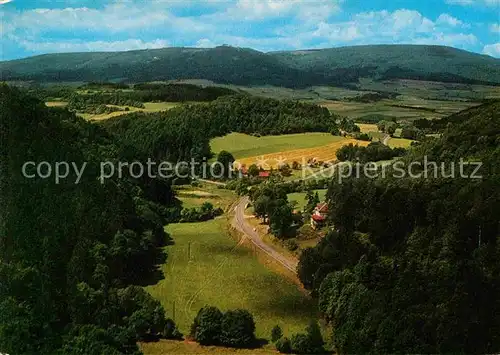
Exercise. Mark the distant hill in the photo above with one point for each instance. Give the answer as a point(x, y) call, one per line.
point(243, 66)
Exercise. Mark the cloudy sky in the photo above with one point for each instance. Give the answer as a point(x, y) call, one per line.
point(29, 27)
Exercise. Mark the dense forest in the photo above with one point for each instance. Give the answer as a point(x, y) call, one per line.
point(72, 255)
point(244, 66)
point(412, 263)
point(182, 133)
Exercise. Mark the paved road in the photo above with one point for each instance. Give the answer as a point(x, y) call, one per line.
point(241, 224)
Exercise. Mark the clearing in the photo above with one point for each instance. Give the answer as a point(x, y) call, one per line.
point(149, 107)
point(244, 145)
point(300, 198)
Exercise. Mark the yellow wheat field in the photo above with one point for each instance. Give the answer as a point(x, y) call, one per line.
point(326, 153)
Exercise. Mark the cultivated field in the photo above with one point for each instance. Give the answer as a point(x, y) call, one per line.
point(206, 266)
point(326, 153)
point(244, 145)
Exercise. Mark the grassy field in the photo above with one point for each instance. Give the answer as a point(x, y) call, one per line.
point(56, 103)
point(243, 145)
point(149, 107)
point(300, 198)
point(166, 347)
point(326, 153)
point(192, 196)
point(399, 142)
point(206, 266)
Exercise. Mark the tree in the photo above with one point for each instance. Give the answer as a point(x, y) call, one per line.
point(281, 219)
point(276, 333)
point(253, 170)
point(312, 201)
point(314, 333)
point(262, 207)
point(237, 329)
point(225, 160)
point(285, 170)
point(206, 327)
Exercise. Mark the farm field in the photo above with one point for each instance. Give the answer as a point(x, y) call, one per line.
point(243, 145)
point(356, 110)
point(326, 153)
point(206, 266)
point(430, 90)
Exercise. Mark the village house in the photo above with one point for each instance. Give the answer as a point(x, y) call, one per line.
point(318, 217)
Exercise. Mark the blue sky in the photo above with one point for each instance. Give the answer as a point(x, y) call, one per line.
point(30, 27)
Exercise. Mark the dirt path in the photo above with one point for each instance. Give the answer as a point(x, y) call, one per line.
point(239, 222)
point(385, 141)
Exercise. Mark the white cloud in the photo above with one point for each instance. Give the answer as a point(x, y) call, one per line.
point(450, 39)
point(495, 27)
point(205, 43)
point(492, 49)
point(83, 46)
point(447, 19)
point(115, 17)
point(266, 9)
point(399, 26)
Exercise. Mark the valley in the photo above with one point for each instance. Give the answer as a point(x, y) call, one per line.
point(263, 239)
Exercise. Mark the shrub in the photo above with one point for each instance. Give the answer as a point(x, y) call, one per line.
point(291, 244)
point(206, 327)
point(283, 346)
point(302, 344)
point(276, 333)
point(237, 329)
point(170, 331)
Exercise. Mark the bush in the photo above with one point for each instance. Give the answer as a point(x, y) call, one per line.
point(309, 343)
point(314, 333)
point(206, 327)
point(302, 344)
point(170, 331)
point(283, 346)
point(276, 333)
point(291, 244)
point(237, 329)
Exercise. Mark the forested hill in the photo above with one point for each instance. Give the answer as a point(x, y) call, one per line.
point(413, 265)
point(242, 66)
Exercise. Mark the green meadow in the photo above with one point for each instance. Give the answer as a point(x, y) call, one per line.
point(206, 266)
point(243, 145)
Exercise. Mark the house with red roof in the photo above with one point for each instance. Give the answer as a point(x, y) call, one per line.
point(318, 217)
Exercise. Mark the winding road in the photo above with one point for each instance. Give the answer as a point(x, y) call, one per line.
point(240, 223)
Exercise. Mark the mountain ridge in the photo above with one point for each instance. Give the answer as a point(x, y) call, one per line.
point(246, 66)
